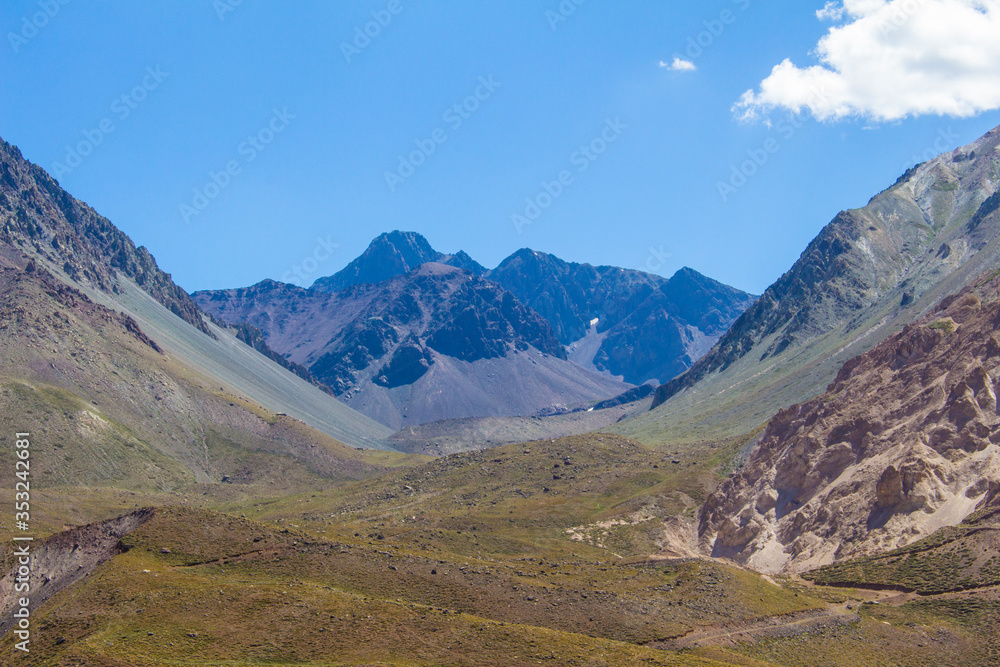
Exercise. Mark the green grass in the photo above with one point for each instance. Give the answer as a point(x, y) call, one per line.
point(945, 324)
point(232, 591)
point(962, 557)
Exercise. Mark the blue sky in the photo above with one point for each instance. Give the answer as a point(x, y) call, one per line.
point(298, 132)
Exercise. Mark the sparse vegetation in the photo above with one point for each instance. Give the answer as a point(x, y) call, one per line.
point(945, 325)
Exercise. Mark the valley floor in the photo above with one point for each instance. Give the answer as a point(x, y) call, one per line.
point(526, 554)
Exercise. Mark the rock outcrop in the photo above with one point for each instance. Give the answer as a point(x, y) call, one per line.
point(41, 219)
point(903, 442)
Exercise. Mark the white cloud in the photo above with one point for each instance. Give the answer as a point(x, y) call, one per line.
point(832, 11)
point(892, 59)
point(680, 65)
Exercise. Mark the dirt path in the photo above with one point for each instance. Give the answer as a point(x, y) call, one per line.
point(788, 624)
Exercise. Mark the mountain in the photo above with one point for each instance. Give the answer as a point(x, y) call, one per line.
point(866, 275)
point(628, 323)
point(570, 295)
point(434, 343)
point(44, 227)
point(671, 329)
point(905, 441)
point(41, 218)
point(625, 323)
point(108, 407)
point(393, 254)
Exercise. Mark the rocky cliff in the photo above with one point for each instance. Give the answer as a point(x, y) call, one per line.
point(902, 443)
point(40, 218)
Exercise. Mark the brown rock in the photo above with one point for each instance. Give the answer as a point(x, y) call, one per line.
point(905, 440)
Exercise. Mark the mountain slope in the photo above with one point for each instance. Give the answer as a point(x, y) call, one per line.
point(905, 441)
point(624, 323)
point(40, 217)
point(865, 276)
point(434, 343)
point(108, 407)
point(40, 222)
point(631, 324)
point(393, 254)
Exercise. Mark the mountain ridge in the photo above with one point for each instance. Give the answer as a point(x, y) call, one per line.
point(867, 274)
point(40, 215)
point(647, 327)
point(402, 349)
point(42, 225)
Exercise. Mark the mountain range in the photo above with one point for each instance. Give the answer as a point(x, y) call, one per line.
point(409, 335)
point(435, 343)
point(830, 445)
point(635, 325)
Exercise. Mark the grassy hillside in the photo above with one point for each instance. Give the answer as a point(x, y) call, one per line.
point(204, 588)
point(108, 408)
point(591, 489)
point(956, 558)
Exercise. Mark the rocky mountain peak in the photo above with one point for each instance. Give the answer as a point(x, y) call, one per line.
point(929, 234)
point(393, 254)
